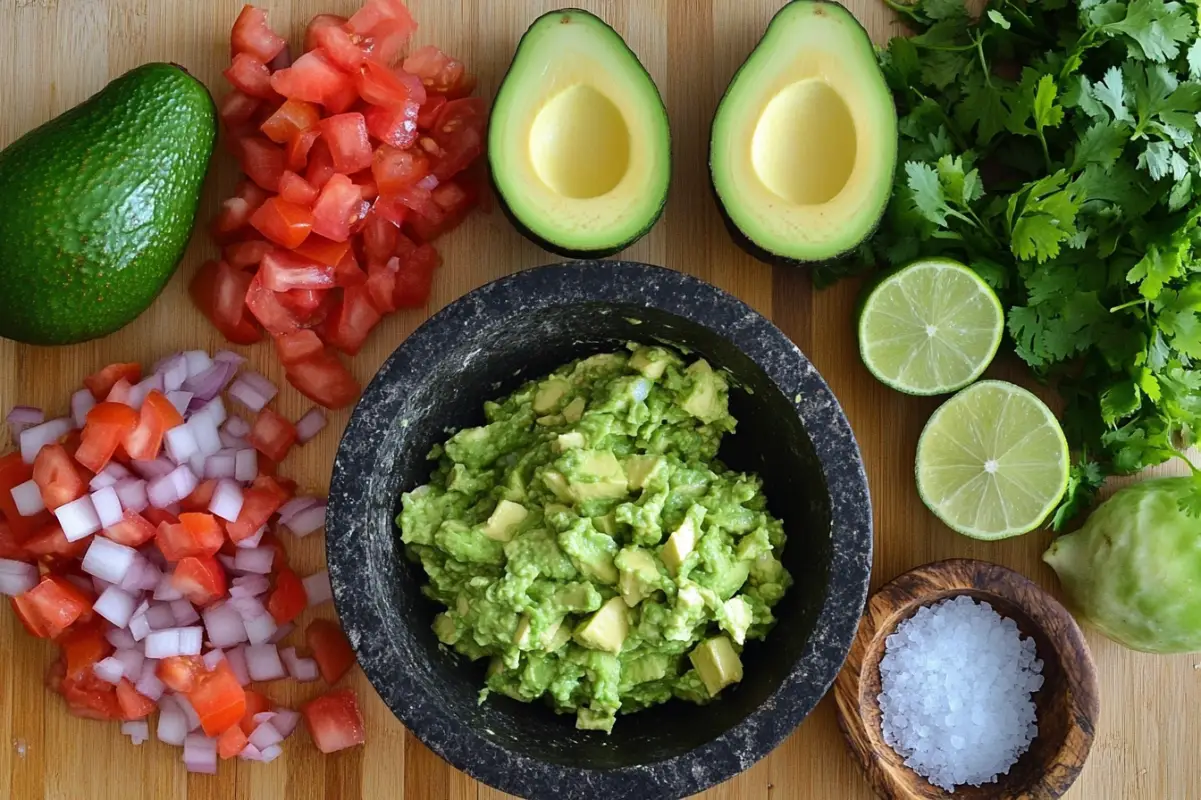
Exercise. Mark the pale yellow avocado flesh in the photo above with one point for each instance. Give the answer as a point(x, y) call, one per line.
point(578, 141)
point(804, 141)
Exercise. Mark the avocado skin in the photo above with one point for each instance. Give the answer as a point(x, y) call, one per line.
point(561, 250)
point(741, 239)
point(98, 204)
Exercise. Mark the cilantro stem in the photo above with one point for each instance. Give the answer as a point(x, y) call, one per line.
point(1136, 302)
point(1046, 153)
point(983, 62)
point(904, 8)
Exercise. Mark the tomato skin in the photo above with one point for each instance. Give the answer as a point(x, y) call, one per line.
point(179, 673)
point(255, 704)
point(237, 109)
point(89, 697)
point(252, 35)
point(82, 646)
point(316, 24)
point(272, 435)
point(200, 579)
point(52, 606)
point(13, 472)
point(157, 416)
point(342, 48)
point(219, 291)
point(286, 224)
point(295, 189)
point(459, 132)
point(351, 320)
point(337, 208)
point(330, 649)
point(320, 250)
point(250, 76)
point(107, 426)
point(102, 382)
point(132, 531)
point(454, 201)
point(334, 721)
point(440, 73)
point(297, 346)
point(259, 502)
point(297, 150)
point(312, 78)
point(232, 742)
point(288, 598)
point(389, 25)
point(195, 535)
point(198, 501)
point(416, 276)
point(380, 86)
point(266, 308)
point(218, 699)
point(396, 126)
point(290, 119)
point(429, 112)
point(55, 474)
point(10, 545)
point(133, 705)
point(324, 380)
point(321, 165)
point(346, 135)
point(281, 271)
point(262, 160)
point(381, 284)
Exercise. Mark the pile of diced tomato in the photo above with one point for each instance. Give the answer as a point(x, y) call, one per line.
point(353, 166)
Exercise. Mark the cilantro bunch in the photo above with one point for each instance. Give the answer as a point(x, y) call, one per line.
point(1055, 147)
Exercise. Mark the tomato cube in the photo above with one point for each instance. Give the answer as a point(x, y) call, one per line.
point(265, 306)
point(252, 35)
point(82, 646)
point(232, 742)
point(157, 417)
point(334, 721)
point(102, 382)
point(337, 208)
point(288, 598)
point(325, 380)
point(396, 170)
point(316, 24)
point(132, 530)
point(295, 189)
point(395, 126)
point(241, 255)
point(415, 277)
point(56, 477)
point(322, 251)
point(237, 109)
point(53, 605)
point(440, 73)
point(345, 50)
point(180, 673)
point(381, 284)
point(298, 147)
point(134, 705)
point(272, 435)
point(351, 320)
point(200, 579)
point(320, 165)
point(307, 306)
point(250, 76)
point(290, 119)
point(429, 112)
point(312, 78)
point(346, 135)
point(380, 86)
point(13, 472)
point(219, 291)
point(347, 273)
point(282, 271)
point(262, 161)
point(286, 224)
point(421, 201)
point(255, 704)
point(459, 134)
point(218, 699)
point(259, 502)
point(107, 426)
point(297, 346)
point(49, 542)
point(330, 648)
point(388, 23)
point(196, 534)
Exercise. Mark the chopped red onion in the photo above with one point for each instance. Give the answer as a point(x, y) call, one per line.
point(78, 519)
point(248, 607)
point(165, 361)
point(137, 395)
point(33, 439)
point(263, 664)
point(109, 670)
point(22, 417)
point(98, 586)
point(226, 562)
point(184, 612)
point(189, 713)
point(253, 540)
point(200, 754)
point(172, 722)
point(261, 717)
point(108, 560)
point(295, 506)
point(198, 361)
point(208, 384)
point(174, 642)
point(120, 638)
point(81, 403)
point(259, 630)
point(17, 577)
point(220, 465)
point(234, 443)
point(253, 391)
point(196, 463)
point(250, 753)
point(227, 499)
point(249, 586)
point(285, 721)
point(165, 589)
point(305, 522)
point(132, 661)
point(138, 730)
point(148, 684)
point(265, 735)
point(108, 506)
point(282, 632)
point(271, 753)
point(153, 469)
point(254, 559)
point(230, 356)
point(180, 399)
point(120, 392)
point(237, 664)
point(224, 625)
point(112, 473)
point(246, 465)
point(236, 426)
point(302, 669)
point(213, 409)
point(181, 443)
point(28, 498)
point(317, 588)
point(132, 494)
point(173, 487)
point(116, 606)
point(174, 372)
point(143, 576)
point(139, 626)
point(212, 658)
point(310, 425)
point(161, 617)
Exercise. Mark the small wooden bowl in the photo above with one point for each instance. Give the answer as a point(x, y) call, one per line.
point(1067, 705)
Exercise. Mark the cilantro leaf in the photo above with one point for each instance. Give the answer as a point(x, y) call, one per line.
point(1101, 144)
point(1120, 401)
point(944, 9)
point(1194, 59)
point(927, 192)
point(1084, 479)
point(1158, 27)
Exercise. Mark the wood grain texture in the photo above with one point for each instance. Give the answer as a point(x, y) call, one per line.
point(55, 53)
point(1067, 705)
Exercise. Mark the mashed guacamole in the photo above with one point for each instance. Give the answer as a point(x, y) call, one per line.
point(587, 541)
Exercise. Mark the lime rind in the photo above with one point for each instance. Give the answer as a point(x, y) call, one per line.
point(997, 423)
point(903, 313)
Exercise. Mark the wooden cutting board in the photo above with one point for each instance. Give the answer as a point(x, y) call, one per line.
point(55, 53)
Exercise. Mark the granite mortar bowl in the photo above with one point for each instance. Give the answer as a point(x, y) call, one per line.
point(791, 431)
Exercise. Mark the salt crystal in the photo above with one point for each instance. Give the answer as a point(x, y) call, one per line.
point(956, 682)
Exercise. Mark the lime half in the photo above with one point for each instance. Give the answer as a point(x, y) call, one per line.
point(931, 327)
point(992, 461)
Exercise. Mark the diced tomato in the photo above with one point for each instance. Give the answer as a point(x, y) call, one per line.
point(298, 148)
point(316, 24)
point(101, 383)
point(28, 617)
point(421, 200)
point(330, 649)
point(219, 291)
point(251, 34)
point(237, 109)
point(296, 346)
point(396, 170)
point(343, 99)
point(281, 271)
point(263, 161)
point(344, 49)
point(334, 721)
point(368, 190)
point(272, 435)
point(337, 208)
point(13, 472)
point(52, 606)
point(56, 477)
point(259, 502)
point(416, 276)
point(255, 704)
point(380, 238)
point(324, 380)
point(250, 76)
point(288, 598)
point(381, 284)
point(241, 255)
point(347, 273)
point(312, 78)
point(107, 426)
point(218, 699)
point(454, 201)
point(346, 135)
point(158, 416)
point(321, 165)
point(351, 320)
point(133, 704)
point(380, 86)
point(395, 126)
point(179, 673)
point(89, 697)
point(459, 132)
point(196, 534)
point(286, 224)
point(200, 579)
point(291, 118)
point(388, 23)
point(322, 251)
point(82, 646)
point(132, 530)
point(232, 219)
point(232, 742)
point(10, 545)
point(307, 306)
point(50, 541)
point(440, 73)
point(429, 112)
point(281, 61)
point(266, 308)
point(200, 498)
point(295, 189)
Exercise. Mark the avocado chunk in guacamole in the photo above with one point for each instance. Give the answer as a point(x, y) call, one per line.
point(587, 541)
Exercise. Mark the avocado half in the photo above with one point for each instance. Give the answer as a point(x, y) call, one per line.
point(804, 141)
point(579, 144)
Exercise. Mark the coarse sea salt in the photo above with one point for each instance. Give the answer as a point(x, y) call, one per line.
point(956, 682)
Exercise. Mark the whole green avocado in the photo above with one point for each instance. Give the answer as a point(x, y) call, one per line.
point(97, 205)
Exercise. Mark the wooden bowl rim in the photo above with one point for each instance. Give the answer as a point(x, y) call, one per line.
point(898, 599)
